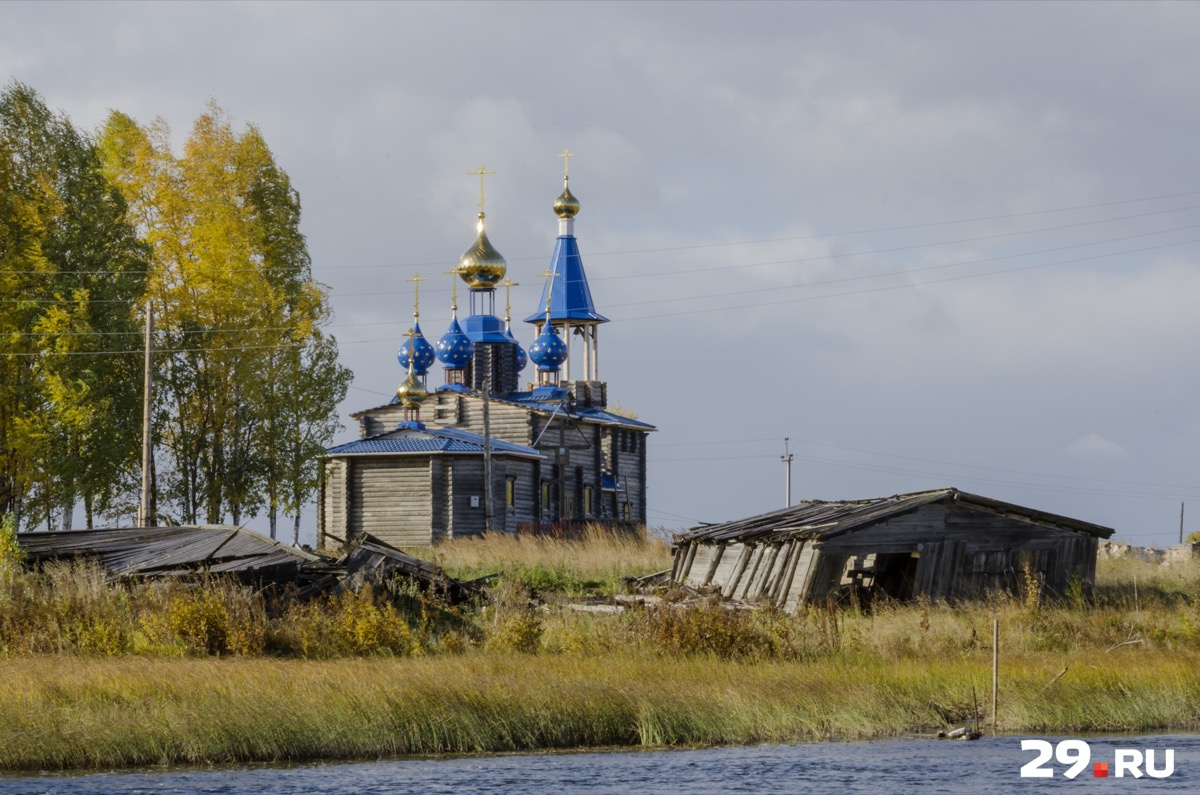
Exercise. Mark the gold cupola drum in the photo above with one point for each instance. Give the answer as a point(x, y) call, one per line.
point(482, 266)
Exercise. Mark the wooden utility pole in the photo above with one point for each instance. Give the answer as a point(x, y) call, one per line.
point(786, 458)
point(145, 515)
point(995, 669)
point(562, 458)
point(487, 444)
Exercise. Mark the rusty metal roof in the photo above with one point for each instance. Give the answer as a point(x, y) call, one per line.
point(822, 520)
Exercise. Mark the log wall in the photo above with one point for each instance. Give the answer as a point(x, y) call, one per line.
point(392, 499)
point(944, 551)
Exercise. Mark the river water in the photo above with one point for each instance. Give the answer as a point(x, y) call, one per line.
point(989, 766)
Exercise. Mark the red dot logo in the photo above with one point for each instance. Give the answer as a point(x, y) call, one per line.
point(1100, 770)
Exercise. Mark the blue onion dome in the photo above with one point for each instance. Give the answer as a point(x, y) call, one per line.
point(481, 266)
point(522, 357)
point(455, 349)
point(548, 351)
point(566, 205)
point(410, 391)
point(417, 352)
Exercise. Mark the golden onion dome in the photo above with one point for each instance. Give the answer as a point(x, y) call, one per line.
point(481, 266)
point(410, 392)
point(566, 205)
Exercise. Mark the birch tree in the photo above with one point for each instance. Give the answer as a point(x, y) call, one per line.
point(245, 364)
point(73, 273)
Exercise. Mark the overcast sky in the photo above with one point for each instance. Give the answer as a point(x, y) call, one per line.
point(932, 244)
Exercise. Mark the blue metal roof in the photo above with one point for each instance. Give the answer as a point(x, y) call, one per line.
point(549, 399)
point(485, 328)
point(601, 415)
point(570, 296)
point(416, 439)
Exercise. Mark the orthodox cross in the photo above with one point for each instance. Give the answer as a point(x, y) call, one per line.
point(453, 274)
point(416, 279)
point(412, 350)
point(566, 153)
point(549, 277)
point(508, 285)
point(480, 171)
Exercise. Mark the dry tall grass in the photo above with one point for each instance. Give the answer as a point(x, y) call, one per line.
point(86, 678)
point(595, 563)
point(68, 712)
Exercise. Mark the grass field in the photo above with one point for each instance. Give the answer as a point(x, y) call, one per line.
point(100, 675)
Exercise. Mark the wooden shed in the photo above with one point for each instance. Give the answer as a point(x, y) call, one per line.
point(416, 485)
point(944, 544)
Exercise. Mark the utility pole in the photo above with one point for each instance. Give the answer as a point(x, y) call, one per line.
point(145, 517)
point(562, 458)
point(1181, 522)
point(487, 444)
point(786, 458)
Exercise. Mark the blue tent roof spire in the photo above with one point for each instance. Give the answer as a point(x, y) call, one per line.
point(567, 297)
point(569, 293)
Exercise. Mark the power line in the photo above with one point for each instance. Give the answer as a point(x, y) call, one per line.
point(138, 352)
point(925, 269)
point(911, 285)
point(728, 244)
point(860, 451)
point(1130, 494)
point(900, 228)
point(694, 270)
point(914, 246)
point(138, 333)
point(863, 291)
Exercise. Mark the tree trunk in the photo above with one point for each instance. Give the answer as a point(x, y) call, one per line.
point(68, 513)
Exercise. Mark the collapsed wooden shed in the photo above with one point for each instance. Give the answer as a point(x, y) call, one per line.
point(944, 544)
point(192, 551)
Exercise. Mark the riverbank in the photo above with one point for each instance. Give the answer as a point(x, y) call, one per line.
point(94, 675)
point(58, 713)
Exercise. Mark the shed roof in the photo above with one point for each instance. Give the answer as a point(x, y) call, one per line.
point(178, 551)
point(823, 520)
point(190, 550)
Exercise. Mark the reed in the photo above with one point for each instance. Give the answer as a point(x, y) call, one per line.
point(67, 712)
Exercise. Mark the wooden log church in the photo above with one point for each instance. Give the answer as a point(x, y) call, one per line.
point(479, 452)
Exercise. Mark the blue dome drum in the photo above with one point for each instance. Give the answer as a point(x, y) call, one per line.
point(455, 347)
point(416, 351)
point(548, 351)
